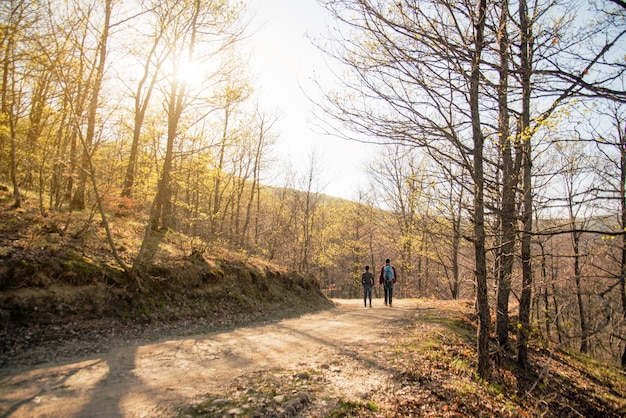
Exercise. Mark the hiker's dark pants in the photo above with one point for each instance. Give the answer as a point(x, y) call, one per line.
point(388, 292)
point(367, 293)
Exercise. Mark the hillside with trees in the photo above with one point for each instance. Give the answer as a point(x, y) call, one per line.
point(136, 163)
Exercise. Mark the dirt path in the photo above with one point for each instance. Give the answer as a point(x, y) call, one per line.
point(344, 348)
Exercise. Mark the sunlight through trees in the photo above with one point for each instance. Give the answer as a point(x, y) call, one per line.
point(500, 174)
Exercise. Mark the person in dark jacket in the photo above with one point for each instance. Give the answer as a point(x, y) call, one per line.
point(367, 280)
point(387, 279)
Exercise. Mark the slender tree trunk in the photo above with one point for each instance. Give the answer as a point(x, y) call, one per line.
point(482, 301)
point(36, 124)
point(63, 138)
point(217, 185)
point(303, 264)
point(255, 178)
point(557, 310)
point(527, 199)
point(456, 242)
point(7, 105)
point(526, 294)
point(17, 194)
point(623, 266)
point(547, 319)
point(622, 142)
point(509, 182)
point(140, 109)
point(584, 332)
point(162, 217)
point(163, 213)
point(78, 200)
point(257, 219)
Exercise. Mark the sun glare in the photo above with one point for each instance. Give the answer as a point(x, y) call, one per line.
point(191, 73)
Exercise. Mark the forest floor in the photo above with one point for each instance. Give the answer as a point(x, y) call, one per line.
point(416, 358)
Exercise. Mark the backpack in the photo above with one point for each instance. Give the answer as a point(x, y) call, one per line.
point(388, 274)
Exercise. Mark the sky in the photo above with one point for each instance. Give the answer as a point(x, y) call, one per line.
point(283, 62)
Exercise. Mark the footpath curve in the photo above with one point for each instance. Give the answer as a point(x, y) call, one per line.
point(345, 348)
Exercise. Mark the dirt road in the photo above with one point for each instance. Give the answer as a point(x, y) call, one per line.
point(344, 349)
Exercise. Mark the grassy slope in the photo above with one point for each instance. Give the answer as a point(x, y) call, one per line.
point(58, 281)
point(439, 355)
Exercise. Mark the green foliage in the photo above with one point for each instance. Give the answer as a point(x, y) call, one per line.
point(207, 408)
point(347, 409)
point(81, 267)
point(604, 372)
point(372, 406)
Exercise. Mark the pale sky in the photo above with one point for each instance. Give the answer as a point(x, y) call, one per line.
point(283, 63)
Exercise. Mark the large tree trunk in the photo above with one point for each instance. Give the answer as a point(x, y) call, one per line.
point(163, 213)
point(482, 301)
point(509, 183)
point(162, 217)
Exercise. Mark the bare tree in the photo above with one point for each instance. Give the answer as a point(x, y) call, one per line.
point(229, 99)
point(510, 178)
point(399, 173)
point(590, 75)
point(426, 93)
point(621, 135)
point(17, 17)
point(526, 57)
point(611, 145)
point(94, 86)
point(309, 207)
point(143, 92)
point(196, 34)
point(263, 132)
point(449, 229)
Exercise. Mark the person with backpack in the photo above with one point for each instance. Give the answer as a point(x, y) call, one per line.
point(367, 280)
point(387, 279)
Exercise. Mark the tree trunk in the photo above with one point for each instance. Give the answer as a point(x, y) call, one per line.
point(78, 200)
point(527, 199)
point(256, 171)
point(482, 301)
point(140, 109)
point(584, 332)
point(163, 216)
point(509, 183)
point(217, 185)
point(456, 243)
point(622, 278)
point(8, 99)
point(547, 319)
